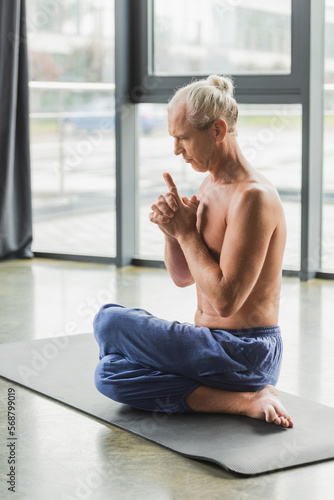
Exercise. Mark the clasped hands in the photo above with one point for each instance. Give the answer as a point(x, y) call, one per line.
point(174, 215)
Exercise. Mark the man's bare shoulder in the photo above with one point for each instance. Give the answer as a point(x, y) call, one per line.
point(258, 201)
point(254, 193)
point(254, 196)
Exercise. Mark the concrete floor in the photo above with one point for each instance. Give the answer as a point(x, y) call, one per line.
point(63, 454)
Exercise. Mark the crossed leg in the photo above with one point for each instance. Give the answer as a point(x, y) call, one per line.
point(264, 404)
point(139, 353)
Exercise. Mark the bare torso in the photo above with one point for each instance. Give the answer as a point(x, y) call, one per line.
point(215, 213)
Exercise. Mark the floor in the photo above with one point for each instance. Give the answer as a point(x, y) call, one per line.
point(63, 454)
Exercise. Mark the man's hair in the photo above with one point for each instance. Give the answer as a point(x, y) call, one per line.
point(207, 100)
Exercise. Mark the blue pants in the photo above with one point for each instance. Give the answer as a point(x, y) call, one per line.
point(153, 364)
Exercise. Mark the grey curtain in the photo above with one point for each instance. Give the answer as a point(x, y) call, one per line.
point(15, 187)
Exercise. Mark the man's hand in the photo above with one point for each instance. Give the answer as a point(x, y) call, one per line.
point(174, 215)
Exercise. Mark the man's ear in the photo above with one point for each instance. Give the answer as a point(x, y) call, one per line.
point(220, 128)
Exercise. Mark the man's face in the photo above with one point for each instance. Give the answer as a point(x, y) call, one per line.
point(197, 147)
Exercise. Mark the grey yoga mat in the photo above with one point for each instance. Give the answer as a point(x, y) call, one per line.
point(63, 369)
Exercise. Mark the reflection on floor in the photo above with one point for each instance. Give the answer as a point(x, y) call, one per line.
point(63, 454)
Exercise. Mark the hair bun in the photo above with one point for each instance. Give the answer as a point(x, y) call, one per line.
point(223, 83)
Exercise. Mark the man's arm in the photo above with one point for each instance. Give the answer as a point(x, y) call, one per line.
point(228, 284)
point(251, 224)
point(176, 263)
point(164, 210)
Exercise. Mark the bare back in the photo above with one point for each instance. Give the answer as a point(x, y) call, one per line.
point(243, 226)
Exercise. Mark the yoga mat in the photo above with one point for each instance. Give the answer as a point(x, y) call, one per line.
point(63, 369)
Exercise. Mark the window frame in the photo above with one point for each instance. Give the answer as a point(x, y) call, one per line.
point(149, 87)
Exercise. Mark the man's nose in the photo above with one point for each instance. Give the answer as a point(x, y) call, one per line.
point(177, 147)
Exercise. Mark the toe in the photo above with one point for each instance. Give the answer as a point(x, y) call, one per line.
point(270, 414)
point(277, 421)
point(286, 422)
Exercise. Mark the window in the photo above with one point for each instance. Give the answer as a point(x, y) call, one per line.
point(221, 36)
point(72, 125)
point(328, 171)
point(273, 50)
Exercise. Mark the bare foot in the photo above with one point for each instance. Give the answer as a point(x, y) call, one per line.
point(266, 405)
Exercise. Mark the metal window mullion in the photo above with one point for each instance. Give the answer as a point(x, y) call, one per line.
point(311, 215)
point(126, 138)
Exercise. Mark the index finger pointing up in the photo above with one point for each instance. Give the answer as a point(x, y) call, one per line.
point(171, 185)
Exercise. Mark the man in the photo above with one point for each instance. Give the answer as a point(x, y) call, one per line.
point(229, 240)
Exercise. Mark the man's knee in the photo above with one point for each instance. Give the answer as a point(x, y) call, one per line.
point(106, 319)
point(110, 381)
point(105, 381)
